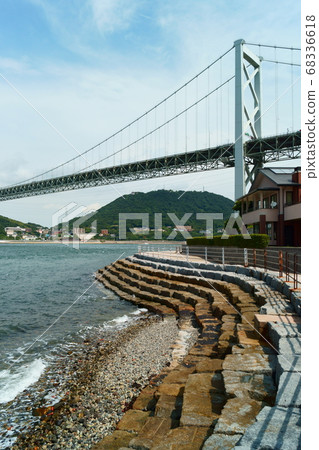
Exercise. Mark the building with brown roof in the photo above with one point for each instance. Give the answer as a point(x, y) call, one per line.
point(273, 205)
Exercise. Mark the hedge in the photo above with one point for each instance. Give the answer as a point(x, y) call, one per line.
point(237, 240)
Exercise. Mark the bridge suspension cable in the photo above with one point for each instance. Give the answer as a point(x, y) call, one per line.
point(127, 127)
point(152, 139)
point(274, 46)
point(164, 124)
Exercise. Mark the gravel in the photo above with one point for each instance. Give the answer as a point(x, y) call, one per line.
point(105, 383)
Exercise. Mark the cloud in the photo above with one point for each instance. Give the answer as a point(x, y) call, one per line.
point(13, 65)
point(113, 15)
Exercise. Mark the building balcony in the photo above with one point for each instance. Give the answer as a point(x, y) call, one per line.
point(292, 212)
point(254, 216)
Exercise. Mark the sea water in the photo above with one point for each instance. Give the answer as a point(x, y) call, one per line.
point(49, 302)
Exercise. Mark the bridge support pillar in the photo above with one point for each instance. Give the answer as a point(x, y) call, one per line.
point(247, 111)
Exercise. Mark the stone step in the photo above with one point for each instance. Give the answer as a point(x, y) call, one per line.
point(144, 295)
point(167, 288)
point(118, 439)
point(202, 308)
point(184, 438)
point(169, 407)
point(154, 307)
point(237, 415)
point(186, 279)
point(275, 427)
point(148, 292)
point(203, 399)
point(246, 303)
point(222, 383)
point(133, 421)
point(261, 321)
point(146, 400)
point(152, 433)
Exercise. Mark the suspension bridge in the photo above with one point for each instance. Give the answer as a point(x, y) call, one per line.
point(214, 121)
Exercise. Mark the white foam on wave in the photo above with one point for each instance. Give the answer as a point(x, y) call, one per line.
point(11, 384)
point(121, 319)
point(139, 311)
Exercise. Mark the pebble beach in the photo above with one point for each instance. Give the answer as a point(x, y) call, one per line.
point(105, 381)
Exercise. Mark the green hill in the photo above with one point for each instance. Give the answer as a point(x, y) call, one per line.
point(164, 202)
point(6, 222)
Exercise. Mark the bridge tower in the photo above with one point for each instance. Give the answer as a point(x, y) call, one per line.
point(247, 111)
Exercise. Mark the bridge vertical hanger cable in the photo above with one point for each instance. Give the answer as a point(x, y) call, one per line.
point(196, 116)
point(135, 153)
point(208, 110)
point(165, 130)
point(217, 116)
point(121, 155)
point(185, 119)
point(159, 131)
point(228, 119)
point(292, 92)
point(276, 91)
point(155, 134)
point(145, 151)
point(176, 125)
point(221, 99)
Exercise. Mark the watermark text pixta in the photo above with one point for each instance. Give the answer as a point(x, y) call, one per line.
point(70, 231)
point(180, 225)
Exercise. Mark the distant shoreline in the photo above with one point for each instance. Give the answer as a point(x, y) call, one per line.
point(96, 242)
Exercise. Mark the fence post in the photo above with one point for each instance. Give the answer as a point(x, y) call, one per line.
point(254, 257)
point(280, 263)
point(265, 260)
point(223, 256)
point(245, 257)
point(206, 255)
point(287, 267)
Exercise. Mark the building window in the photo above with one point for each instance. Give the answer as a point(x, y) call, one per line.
point(273, 201)
point(269, 229)
point(256, 228)
point(289, 198)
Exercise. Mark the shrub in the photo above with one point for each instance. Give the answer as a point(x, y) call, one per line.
point(237, 240)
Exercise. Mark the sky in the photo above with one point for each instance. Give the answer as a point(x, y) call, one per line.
point(72, 73)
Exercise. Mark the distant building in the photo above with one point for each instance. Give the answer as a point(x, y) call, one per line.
point(273, 205)
point(183, 228)
point(104, 232)
point(208, 232)
point(28, 237)
point(140, 230)
point(13, 231)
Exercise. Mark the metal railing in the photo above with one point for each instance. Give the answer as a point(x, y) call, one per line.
point(286, 263)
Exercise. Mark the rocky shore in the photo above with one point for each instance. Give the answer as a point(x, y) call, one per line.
point(107, 379)
point(209, 370)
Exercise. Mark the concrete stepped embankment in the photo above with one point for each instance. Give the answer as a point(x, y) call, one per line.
point(233, 380)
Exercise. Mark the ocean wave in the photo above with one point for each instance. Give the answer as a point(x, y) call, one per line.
point(139, 311)
point(11, 384)
point(121, 319)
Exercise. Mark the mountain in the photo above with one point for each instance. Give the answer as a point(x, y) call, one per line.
point(164, 202)
point(6, 222)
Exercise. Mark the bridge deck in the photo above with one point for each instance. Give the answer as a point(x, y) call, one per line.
point(257, 151)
